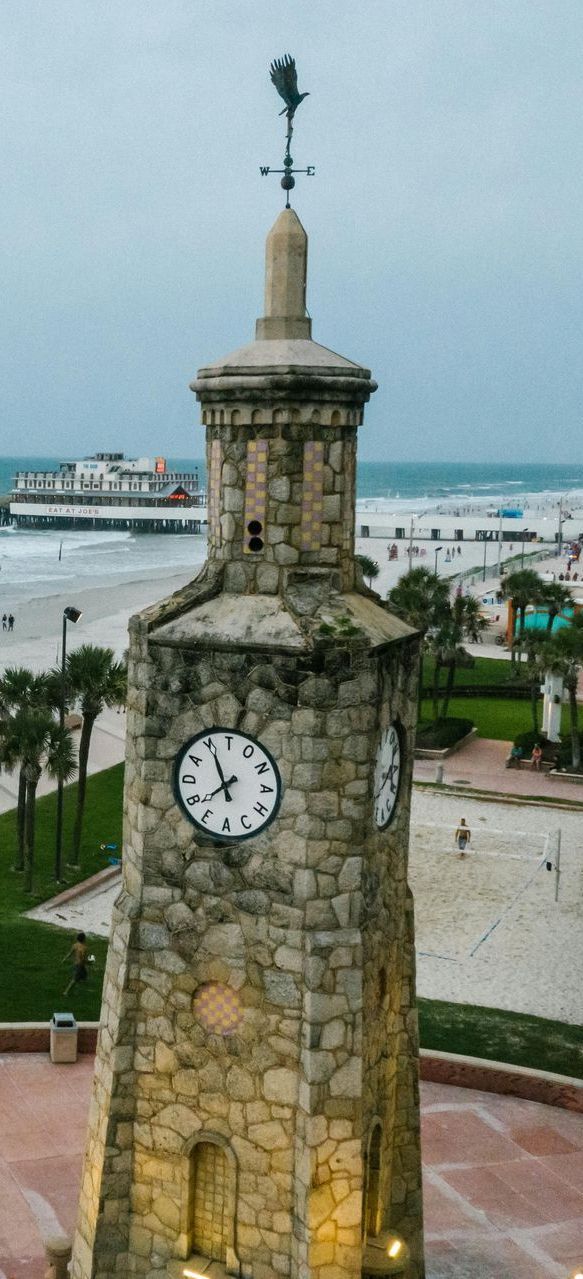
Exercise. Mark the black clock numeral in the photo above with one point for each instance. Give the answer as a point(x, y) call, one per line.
point(226, 825)
point(197, 762)
point(192, 799)
point(246, 824)
point(262, 767)
point(260, 808)
point(188, 779)
point(208, 813)
point(248, 750)
point(266, 790)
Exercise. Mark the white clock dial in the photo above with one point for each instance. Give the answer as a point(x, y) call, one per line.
point(387, 776)
point(227, 783)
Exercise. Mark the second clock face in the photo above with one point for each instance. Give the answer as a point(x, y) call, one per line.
point(387, 776)
point(227, 783)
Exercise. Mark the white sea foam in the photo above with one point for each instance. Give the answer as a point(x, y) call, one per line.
point(30, 564)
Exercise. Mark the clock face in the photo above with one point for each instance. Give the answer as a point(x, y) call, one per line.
point(387, 776)
point(227, 783)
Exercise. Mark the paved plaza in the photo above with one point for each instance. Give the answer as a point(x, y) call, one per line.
point(481, 765)
point(503, 1178)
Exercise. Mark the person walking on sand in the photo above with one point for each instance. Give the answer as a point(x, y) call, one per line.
point(4, 622)
point(462, 836)
point(78, 953)
point(10, 622)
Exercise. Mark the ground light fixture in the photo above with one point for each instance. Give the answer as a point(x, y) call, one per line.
point(385, 1254)
point(70, 614)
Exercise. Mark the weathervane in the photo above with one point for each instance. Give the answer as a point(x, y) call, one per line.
point(285, 78)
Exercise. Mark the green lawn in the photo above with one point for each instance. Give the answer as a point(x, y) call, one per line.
point(486, 670)
point(500, 719)
point(32, 976)
point(500, 1035)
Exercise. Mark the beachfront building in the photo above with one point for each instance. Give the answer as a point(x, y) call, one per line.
point(108, 490)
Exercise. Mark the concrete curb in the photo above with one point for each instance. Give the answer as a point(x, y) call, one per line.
point(34, 1036)
point(422, 752)
point(435, 1067)
point(500, 797)
point(499, 1077)
point(84, 886)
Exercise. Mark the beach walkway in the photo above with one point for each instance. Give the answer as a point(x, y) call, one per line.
point(503, 1178)
point(481, 765)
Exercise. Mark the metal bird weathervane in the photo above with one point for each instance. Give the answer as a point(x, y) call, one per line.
point(285, 78)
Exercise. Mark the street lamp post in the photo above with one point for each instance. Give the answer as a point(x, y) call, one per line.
point(437, 550)
point(484, 568)
point(70, 614)
point(499, 541)
point(413, 518)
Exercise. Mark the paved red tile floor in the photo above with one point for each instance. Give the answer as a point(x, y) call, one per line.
point(503, 1179)
point(481, 765)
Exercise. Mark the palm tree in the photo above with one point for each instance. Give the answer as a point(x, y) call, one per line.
point(33, 738)
point(564, 654)
point(466, 623)
point(369, 567)
point(523, 587)
point(536, 667)
point(421, 598)
point(556, 597)
point(21, 689)
point(95, 680)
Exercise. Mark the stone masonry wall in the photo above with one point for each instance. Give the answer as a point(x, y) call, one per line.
point(287, 431)
point(296, 925)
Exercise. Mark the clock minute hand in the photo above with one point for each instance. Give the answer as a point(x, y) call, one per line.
point(224, 784)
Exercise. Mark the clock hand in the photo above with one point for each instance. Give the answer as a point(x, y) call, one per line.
point(222, 786)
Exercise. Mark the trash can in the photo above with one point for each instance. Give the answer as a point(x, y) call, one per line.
point(63, 1038)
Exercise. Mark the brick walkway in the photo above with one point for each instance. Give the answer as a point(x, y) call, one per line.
point(503, 1179)
point(481, 765)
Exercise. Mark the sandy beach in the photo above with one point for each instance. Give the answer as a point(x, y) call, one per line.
point(36, 639)
point(108, 604)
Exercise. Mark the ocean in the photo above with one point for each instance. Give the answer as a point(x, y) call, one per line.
point(434, 481)
point(46, 562)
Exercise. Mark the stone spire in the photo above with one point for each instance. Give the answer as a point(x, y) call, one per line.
point(286, 262)
point(281, 417)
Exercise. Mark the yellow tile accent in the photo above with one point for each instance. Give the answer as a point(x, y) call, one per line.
point(255, 487)
point(312, 496)
point(215, 493)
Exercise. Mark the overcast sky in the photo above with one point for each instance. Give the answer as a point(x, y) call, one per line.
point(444, 218)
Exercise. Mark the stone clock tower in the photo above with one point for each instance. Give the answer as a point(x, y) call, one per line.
point(255, 1107)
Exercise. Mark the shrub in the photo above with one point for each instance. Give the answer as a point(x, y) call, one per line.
point(443, 733)
point(529, 739)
